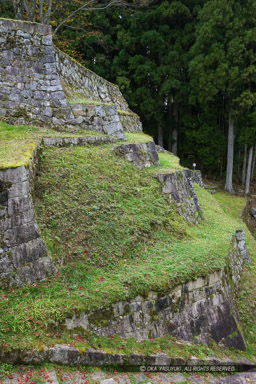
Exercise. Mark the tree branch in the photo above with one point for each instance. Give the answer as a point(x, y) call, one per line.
point(85, 7)
point(71, 15)
point(48, 13)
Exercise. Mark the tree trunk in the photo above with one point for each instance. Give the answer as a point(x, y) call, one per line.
point(18, 9)
point(249, 168)
point(175, 130)
point(48, 13)
point(253, 163)
point(160, 132)
point(244, 164)
point(169, 124)
point(230, 155)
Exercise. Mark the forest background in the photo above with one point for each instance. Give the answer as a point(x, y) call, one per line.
point(187, 68)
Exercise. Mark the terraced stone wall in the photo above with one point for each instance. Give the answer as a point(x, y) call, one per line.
point(201, 310)
point(31, 90)
point(78, 81)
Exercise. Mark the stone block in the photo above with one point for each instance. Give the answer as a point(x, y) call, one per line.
point(94, 357)
point(14, 175)
point(47, 40)
point(6, 266)
point(64, 355)
point(28, 252)
point(196, 284)
point(34, 357)
point(18, 235)
point(18, 205)
point(24, 34)
point(214, 278)
point(44, 267)
point(141, 155)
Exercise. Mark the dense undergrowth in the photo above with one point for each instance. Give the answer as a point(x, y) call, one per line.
point(113, 235)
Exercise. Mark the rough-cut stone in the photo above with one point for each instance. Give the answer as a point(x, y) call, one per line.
point(179, 187)
point(130, 122)
point(81, 82)
point(201, 310)
point(28, 62)
point(67, 355)
point(196, 177)
point(49, 142)
point(141, 155)
point(23, 256)
point(101, 118)
point(249, 215)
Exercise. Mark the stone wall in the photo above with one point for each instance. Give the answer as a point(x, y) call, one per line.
point(179, 187)
point(142, 155)
point(69, 355)
point(130, 122)
point(30, 88)
point(196, 177)
point(201, 310)
point(100, 118)
point(23, 254)
point(78, 81)
point(249, 215)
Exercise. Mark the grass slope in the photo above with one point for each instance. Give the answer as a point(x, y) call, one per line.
point(114, 235)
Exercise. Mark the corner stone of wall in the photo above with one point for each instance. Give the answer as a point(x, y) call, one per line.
point(100, 118)
point(30, 89)
point(23, 254)
point(179, 187)
point(141, 155)
point(201, 310)
point(131, 123)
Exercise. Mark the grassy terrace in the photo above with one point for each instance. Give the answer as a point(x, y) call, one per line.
point(86, 101)
point(18, 143)
point(113, 235)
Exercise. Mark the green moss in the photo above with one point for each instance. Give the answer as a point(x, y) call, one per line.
point(127, 309)
point(126, 113)
point(86, 101)
point(18, 21)
point(137, 138)
point(101, 317)
point(153, 314)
